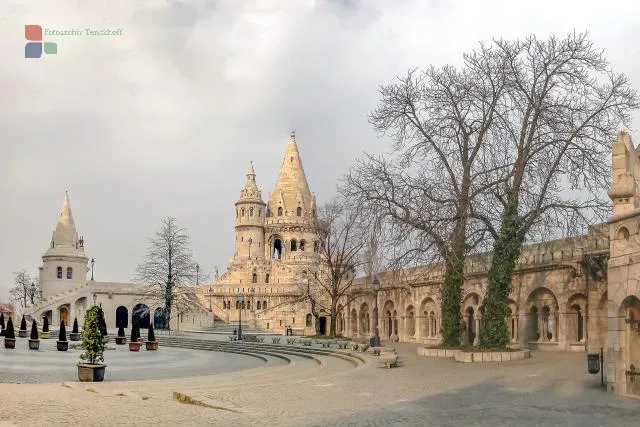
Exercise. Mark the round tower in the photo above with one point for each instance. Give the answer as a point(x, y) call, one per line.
point(64, 264)
point(250, 214)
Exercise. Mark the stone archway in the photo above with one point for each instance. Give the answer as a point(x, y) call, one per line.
point(140, 313)
point(122, 317)
point(64, 315)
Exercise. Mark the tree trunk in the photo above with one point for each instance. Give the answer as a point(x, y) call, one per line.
point(494, 330)
point(332, 327)
point(450, 327)
point(167, 303)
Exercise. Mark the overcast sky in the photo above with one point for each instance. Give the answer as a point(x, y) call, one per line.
point(164, 119)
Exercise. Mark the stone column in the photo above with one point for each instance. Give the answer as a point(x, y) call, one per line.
point(477, 330)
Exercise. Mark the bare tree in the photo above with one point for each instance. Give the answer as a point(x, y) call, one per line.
point(342, 237)
point(558, 115)
point(24, 290)
point(442, 159)
point(169, 270)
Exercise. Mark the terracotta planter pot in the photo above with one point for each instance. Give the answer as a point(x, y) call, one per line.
point(121, 340)
point(152, 345)
point(90, 373)
point(74, 337)
point(44, 335)
point(9, 343)
point(34, 344)
point(134, 346)
point(23, 334)
point(62, 345)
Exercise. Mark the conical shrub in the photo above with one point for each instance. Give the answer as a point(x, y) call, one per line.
point(23, 324)
point(10, 333)
point(152, 335)
point(34, 330)
point(102, 324)
point(75, 326)
point(45, 324)
point(62, 336)
point(135, 332)
point(2, 331)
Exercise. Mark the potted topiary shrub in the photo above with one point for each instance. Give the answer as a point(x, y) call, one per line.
point(121, 338)
point(34, 341)
point(1, 324)
point(75, 335)
point(91, 370)
point(62, 344)
point(22, 333)
point(45, 328)
point(134, 344)
point(10, 335)
point(151, 343)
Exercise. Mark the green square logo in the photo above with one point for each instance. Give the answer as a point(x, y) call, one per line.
point(50, 48)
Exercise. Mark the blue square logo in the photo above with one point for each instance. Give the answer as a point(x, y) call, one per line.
point(33, 50)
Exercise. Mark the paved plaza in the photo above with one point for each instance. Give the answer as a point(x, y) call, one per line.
point(548, 389)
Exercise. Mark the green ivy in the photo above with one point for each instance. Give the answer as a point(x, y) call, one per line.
point(92, 337)
point(450, 327)
point(494, 333)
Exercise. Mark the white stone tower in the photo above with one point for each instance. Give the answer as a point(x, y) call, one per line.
point(291, 212)
point(250, 215)
point(64, 264)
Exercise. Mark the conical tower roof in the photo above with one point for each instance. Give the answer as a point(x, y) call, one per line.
point(65, 236)
point(251, 192)
point(291, 190)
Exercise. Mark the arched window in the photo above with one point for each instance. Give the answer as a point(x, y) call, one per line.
point(69, 273)
point(237, 305)
point(308, 320)
point(266, 278)
point(280, 211)
point(259, 305)
point(302, 243)
point(294, 245)
point(59, 275)
point(248, 305)
point(254, 278)
point(244, 305)
point(251, 212)
point(264, 305)
point(242, 212)
point(259, 212)
point(299, 211)
point(228, 305)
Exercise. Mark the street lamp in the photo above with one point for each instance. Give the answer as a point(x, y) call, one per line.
point(93, 261)
point(33, 291)
point(95, 297)
point(210, 299)
point(376, 288)
point(241, 299)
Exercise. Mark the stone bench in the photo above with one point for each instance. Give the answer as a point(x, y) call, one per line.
point(342, 344)
point(275, 340)
point(260, 339)
point(376, 350)
point(355, 346)
point(306, 342)
point(233, 338)
point(291, 340)
point(389, 360)
point(364, 347)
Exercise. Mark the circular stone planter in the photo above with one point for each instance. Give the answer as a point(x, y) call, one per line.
point(491, 356)
point(62, 345)
point(9, 343)
point(134, 346)
point(90, 373)
point(152, 345)
point(437, 352)
point(34, 344)
point(74, 337)
point(121, 340)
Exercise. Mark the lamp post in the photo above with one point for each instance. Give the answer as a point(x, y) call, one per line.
point(210, 299)
point(241, 299)
point(376, 288)
point(93, 261)
point(197, 274)
point(32, 292)
point(95, 297)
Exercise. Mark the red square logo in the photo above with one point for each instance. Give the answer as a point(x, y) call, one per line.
point(33, 33)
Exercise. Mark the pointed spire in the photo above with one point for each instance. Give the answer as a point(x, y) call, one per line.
point(291, 186)
point(65, 234)
point(66, 218)
point(251, 172)
point(251, 191)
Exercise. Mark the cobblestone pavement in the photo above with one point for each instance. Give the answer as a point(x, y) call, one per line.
point(548, 389)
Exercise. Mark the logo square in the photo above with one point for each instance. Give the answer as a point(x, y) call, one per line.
point(33, 33)
point(33, 50)
point(50, 48)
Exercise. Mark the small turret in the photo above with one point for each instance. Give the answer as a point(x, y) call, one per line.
point(250, 213)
